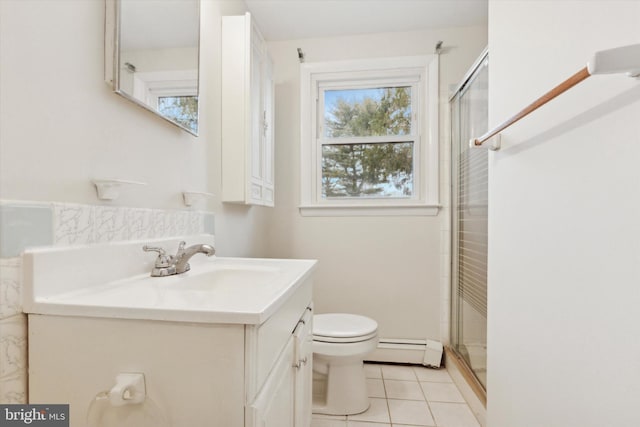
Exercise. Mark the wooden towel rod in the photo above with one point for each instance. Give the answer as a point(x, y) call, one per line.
point(618, 60)
point(556, 91)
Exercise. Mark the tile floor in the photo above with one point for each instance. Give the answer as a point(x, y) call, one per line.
point(407, 396)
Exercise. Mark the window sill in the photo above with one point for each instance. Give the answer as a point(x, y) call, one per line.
point(355, 210)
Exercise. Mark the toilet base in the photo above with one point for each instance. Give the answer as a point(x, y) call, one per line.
point(340, 387)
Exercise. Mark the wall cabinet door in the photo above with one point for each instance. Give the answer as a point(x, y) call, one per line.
point(247, 114)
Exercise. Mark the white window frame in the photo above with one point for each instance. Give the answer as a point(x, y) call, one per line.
point(419, 72)
point(149, 86)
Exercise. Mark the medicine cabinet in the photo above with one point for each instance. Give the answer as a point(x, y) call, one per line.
point(152, 51)
point(247, 114)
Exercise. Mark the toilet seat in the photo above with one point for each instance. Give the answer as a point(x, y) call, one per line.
point(320, 338)
point(343, 328)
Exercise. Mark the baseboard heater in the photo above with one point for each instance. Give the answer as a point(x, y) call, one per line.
point(418, 352)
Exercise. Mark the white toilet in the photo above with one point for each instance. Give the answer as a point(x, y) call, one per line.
point(340, 344)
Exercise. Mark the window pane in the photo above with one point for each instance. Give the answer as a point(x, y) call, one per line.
point(367, 112)
point(180, 109)
point(367, 170)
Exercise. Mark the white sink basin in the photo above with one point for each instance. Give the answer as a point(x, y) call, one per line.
point(78, 282)
point(224, 276)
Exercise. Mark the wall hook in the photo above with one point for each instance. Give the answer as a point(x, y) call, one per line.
point(438, 47)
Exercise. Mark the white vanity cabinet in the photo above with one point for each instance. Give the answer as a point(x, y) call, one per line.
point(279, 380)
point(205, 374)
point(247, 114)
point(288, 386)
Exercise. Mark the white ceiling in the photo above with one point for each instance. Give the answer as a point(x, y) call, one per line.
point(297, 19)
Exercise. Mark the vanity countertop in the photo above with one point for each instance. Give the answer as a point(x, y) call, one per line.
point(215, 290)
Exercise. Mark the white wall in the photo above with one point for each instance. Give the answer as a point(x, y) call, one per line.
point(564, 230)
point(62, 126)
point(388, 268)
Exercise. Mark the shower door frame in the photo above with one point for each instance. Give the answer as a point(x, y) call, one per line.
point(454, 192)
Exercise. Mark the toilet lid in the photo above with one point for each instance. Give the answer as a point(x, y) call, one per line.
point(342, 326)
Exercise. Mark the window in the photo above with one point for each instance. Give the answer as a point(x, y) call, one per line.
point(181, 109)
point(369, 137)
point(173, 94)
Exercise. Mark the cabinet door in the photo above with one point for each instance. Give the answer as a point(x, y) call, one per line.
point(303, 336)
point(262, 102)
point(274, 404)
point(256, 151)
point(268, 133)
point(247, 114)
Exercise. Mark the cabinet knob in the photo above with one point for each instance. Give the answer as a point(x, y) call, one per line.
point(300, 363)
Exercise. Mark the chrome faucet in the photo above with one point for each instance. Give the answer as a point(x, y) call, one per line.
point(178, 263)
point(183, 255)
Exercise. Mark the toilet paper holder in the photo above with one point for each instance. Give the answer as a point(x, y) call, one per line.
point(126, 402)
point(130, 389)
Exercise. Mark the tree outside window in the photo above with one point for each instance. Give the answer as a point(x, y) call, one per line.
point(353, 167)
point(181, 109)
point(369, 137)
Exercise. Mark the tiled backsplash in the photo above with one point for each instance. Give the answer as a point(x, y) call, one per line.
point(9, 287)
point(29, 224)
point(24, 225)
point(45, 224)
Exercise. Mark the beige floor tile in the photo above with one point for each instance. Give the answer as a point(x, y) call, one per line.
point(398, 372)
point(397, 394)
point(324, 422)
point(408, 390)
point(442, 392)
point(375, 387)
point(434, 375)
point(366, 424)
point(378, 412)
point(410, 412)
point(453, 415)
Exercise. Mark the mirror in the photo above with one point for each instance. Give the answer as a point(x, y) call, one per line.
point(151, 56)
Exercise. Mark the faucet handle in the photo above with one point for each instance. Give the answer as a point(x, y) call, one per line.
point(162, 261)
point(148, 248)
point(181, 246)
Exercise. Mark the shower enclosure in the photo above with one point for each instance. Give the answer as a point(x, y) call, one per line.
point(469, 206)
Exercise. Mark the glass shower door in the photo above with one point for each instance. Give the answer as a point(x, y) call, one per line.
point(469, 199)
